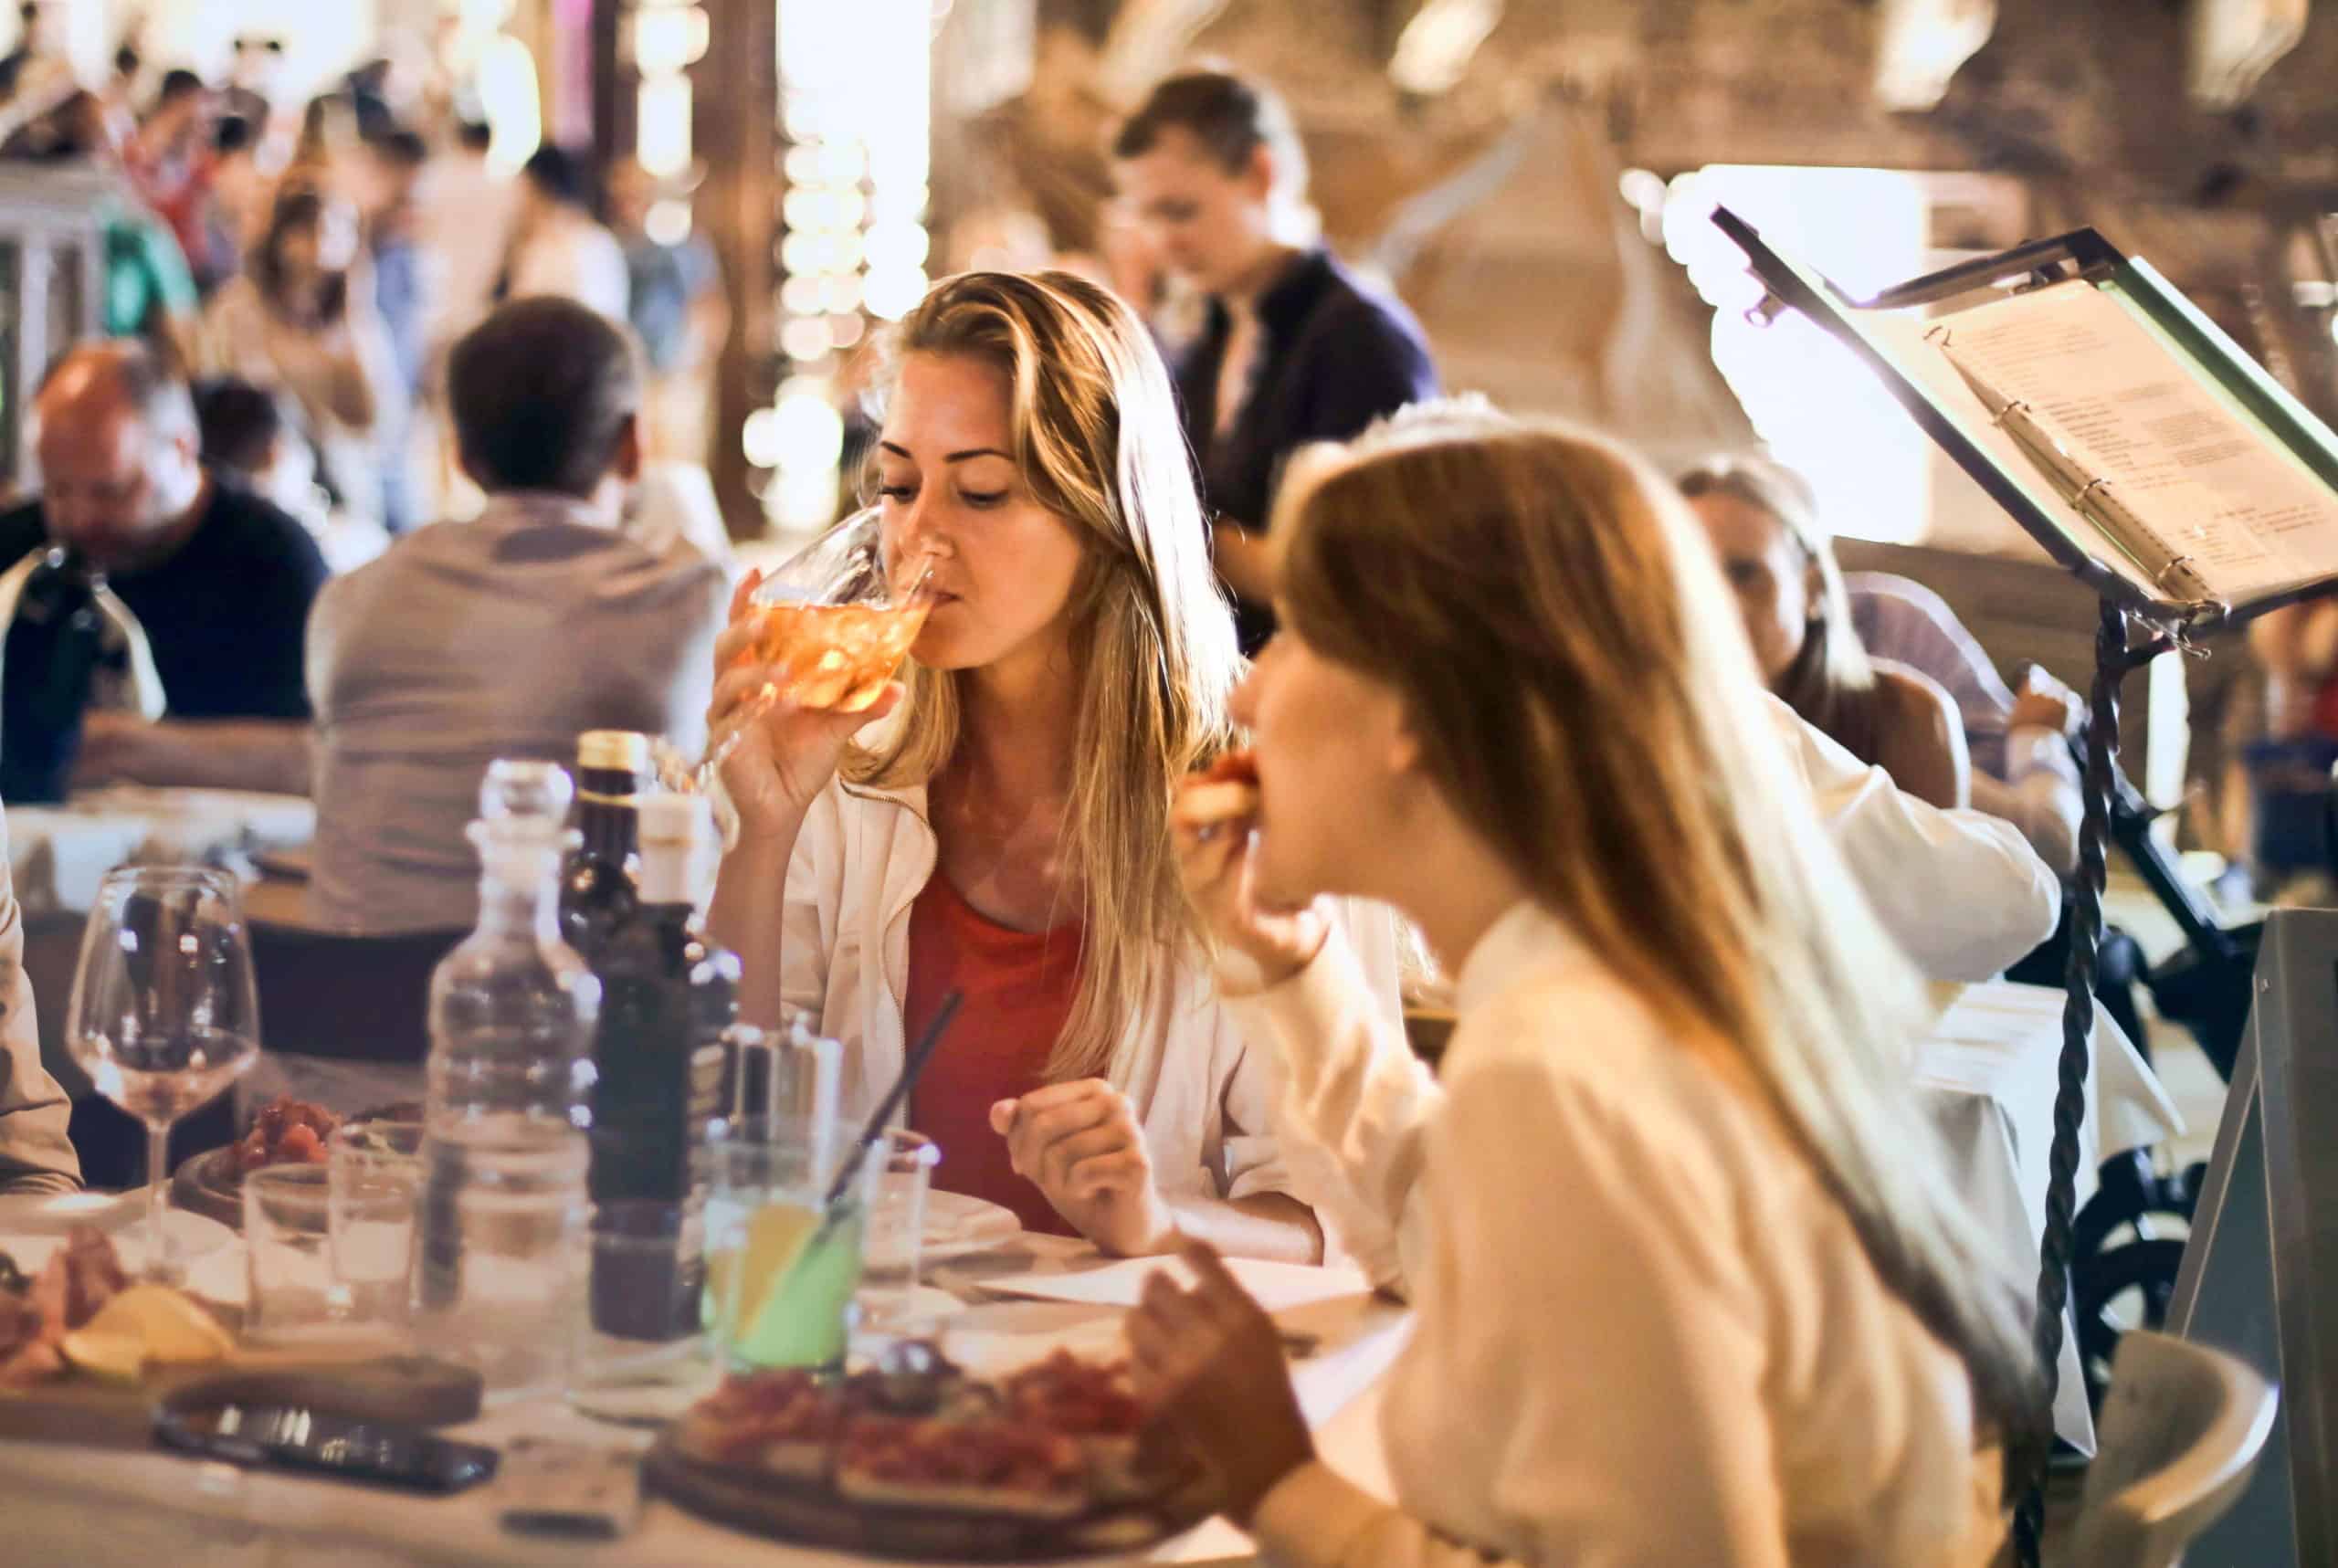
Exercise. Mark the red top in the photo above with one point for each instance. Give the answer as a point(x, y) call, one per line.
point(1018, 990)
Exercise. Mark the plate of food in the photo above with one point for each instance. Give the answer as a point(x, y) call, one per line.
point(920, 1461)
point(86, 1354)
point(32, 1226)
point(957, 1224)
point(285, 1132)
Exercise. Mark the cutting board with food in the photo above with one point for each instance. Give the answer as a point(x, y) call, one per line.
point(87, 1356)
point(1052, 1462)
point(285, 1132)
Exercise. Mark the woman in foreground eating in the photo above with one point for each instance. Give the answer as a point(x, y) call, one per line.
point(1007, 833)
point(1692, 1285)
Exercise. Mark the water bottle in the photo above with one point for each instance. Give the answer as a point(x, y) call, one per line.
point(502, 1226)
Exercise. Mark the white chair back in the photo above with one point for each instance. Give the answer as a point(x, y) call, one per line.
point(2182, 1429)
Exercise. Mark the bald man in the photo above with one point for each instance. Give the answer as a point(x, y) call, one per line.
point(220, 580)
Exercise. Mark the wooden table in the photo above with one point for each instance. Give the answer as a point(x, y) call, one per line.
point(58, 854)
point(68, 1505)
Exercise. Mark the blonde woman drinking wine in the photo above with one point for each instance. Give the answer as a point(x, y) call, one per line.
point(1692, 1287)
point(1006, 833)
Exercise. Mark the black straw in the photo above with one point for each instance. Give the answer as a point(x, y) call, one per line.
point(914, 1064)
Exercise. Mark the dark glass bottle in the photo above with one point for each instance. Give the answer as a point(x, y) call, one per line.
point(68, 656)
point(596, 887)
point(668, 995)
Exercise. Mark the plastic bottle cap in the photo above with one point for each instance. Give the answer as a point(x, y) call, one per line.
point(673, 829)
point(613, 751)
point(535, 791)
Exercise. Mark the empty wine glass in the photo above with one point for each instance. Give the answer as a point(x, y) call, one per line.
point(164, 1015)
point(835, 620)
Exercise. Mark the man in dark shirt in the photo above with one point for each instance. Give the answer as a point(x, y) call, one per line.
point(1295, 348)
point(220, 580)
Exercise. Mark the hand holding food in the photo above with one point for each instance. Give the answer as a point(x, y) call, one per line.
point(1211, 1361)
point(1212, 821)
point(1080, 1143)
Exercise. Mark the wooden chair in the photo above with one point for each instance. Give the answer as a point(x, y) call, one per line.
point(2180, 1437)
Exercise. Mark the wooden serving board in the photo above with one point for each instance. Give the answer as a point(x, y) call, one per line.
point(95, 1412)
point(208, 1185)
point(811, 1513)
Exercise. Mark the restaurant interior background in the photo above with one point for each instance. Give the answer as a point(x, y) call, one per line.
point(1531, 176)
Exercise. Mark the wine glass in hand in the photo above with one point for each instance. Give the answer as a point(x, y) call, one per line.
point(814, 645)
point(163, 1014)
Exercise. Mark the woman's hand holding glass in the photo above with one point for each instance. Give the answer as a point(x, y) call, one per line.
point(1079, 1144)
point(777, 755)
point(1213, 860)
point(1209, 1360)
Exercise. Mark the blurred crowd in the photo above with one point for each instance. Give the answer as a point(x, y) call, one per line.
point(309, 262)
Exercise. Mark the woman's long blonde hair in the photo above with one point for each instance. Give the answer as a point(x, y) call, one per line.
point(1572, 664)
point(1098, 443)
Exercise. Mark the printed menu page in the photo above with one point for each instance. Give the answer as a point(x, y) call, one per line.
point(2222, 508)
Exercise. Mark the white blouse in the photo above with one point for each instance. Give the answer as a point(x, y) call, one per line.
point(1646, 1336)
point(1961, 891)
point(1198, 1086)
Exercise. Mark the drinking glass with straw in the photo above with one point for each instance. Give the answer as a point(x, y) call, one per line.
point(782, 1275)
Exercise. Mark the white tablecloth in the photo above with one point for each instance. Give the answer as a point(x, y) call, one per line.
point(1988, 1074)
point(61, 1504)
point(58, 854)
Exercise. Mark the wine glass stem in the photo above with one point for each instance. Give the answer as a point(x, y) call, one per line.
point(162, 1253)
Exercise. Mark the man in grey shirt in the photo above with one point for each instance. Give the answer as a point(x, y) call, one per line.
point(36, 1152)
point(503, 637)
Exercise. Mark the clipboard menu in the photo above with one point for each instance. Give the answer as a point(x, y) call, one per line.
point(2137, 443)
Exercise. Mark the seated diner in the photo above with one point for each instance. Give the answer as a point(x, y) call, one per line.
point(1000, 825)
point(1669, 1172)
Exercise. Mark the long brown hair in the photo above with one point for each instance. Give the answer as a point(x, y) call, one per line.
point(1831, 682)
point(298, 206)
point(1570, 660)
point(1097, 440)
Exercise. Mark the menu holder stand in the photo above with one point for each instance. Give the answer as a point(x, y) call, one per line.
point(2148, 607)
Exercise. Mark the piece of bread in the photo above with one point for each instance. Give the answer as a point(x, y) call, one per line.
point(979, 1466)
point(1206, 804)
point(1096, 1406)
point(1225, 791)
point(783, 1424)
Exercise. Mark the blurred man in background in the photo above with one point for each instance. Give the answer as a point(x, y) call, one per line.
point(503, 637)
point(220, 582)
point(1296, 348)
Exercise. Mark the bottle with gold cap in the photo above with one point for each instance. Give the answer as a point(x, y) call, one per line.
point(596, 891)
point(668, 995)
